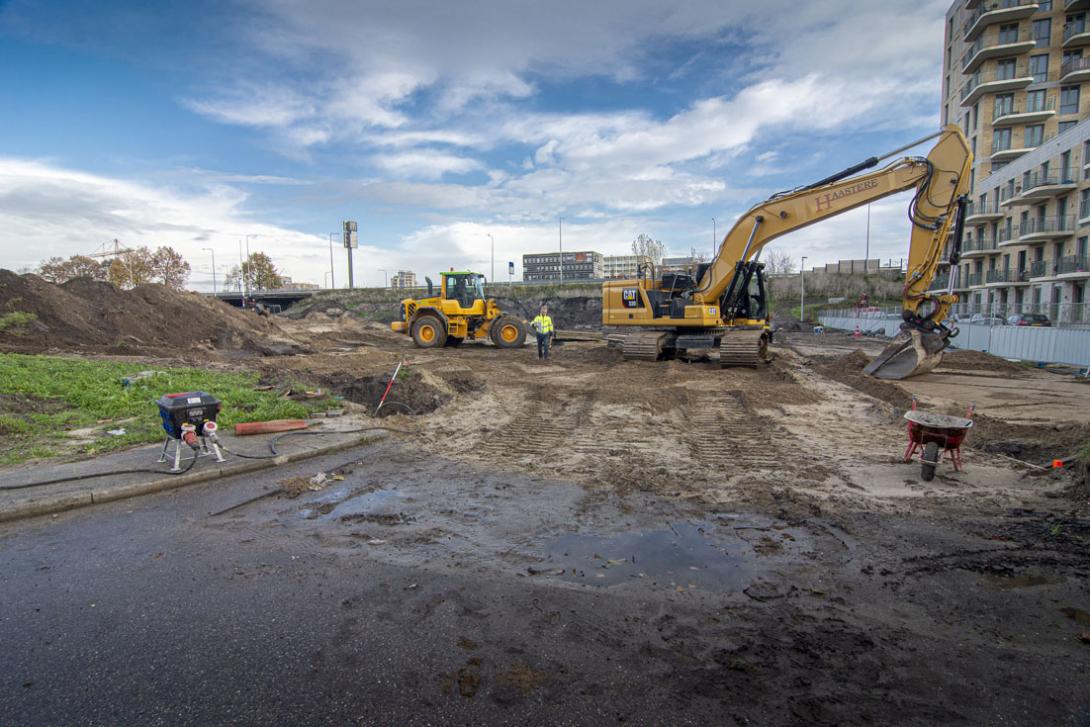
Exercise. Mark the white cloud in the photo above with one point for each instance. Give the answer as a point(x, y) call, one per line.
point(425, 164)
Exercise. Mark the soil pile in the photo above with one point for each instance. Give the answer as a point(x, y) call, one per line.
point(1038, 444)
point(89, 315)
point(968, 360)
point(848, 369)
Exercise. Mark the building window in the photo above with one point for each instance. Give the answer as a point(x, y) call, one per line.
point(1038, 68)
point(1008, 33)
point(1004, 105)
point(1035, 134)
point(1042, 32)
point(1075, 24)
point(1001, 141)
point(1065, 125)
point(1084, 204)
point(1044, 6)
point(1069, 100)
point(1006, 69)
point(1035, 101)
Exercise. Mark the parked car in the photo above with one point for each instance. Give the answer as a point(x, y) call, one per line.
point(1037, 320)
point(987, 320)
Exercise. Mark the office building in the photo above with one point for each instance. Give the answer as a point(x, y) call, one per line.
point(623, 266)
point(586, 265)
point(403, 279)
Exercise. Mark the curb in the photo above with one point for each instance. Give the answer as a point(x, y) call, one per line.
point(106, 493)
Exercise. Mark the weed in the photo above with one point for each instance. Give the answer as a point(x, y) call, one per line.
point(16, 319)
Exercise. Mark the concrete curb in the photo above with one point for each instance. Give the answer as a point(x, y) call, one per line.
point(20, 510)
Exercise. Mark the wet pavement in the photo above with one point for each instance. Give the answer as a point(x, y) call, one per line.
point(413, 590)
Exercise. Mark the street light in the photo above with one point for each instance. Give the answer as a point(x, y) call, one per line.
point(325, 278)
point(715, 238)
point(208, 249)
point(332, 280)
point(802, 287)
point(561, 232)
point(385, 279)
point(492, 279)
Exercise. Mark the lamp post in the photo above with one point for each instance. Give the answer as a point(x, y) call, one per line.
point(241, 271)
point(866, 253)
point(560, 222)
point(492, 277)
point(385, 278)
point(332, 279)
point(802, 287)
point(715, 239)
point(208, 249)
point(249, 262)
point(325, 278)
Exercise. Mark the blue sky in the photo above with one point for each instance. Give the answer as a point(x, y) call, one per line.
point(437, 124)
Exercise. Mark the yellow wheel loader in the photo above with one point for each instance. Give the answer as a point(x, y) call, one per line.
point(460, 311)
point(723, 305)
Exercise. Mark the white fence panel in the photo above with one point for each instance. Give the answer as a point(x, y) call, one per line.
point(1050, 345)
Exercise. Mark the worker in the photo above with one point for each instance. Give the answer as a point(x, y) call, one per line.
point(543, 326)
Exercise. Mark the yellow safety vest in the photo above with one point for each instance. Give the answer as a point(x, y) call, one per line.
point(544, 324)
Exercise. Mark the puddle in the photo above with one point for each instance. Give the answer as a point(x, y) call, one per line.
point(339, 503)
point(686, 555)
point(1025, 580)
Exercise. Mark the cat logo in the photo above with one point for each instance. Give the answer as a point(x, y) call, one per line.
point(630, 297)
point(713, 312)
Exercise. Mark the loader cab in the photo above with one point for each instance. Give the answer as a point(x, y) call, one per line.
point(463, 288)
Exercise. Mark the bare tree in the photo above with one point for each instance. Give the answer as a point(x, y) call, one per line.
point(697, 257)
point(779, 262)
point(649, 247)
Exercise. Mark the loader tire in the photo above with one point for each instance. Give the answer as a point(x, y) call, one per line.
point(429, 332)
point(508, 332)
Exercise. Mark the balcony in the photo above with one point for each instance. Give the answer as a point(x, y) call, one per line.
point(1076, 5)
point(971, 247)
point(1006, 237)
point(1076, 34)
point(1024, 112)
point(1039, 188)
point(994, 81)
point(1002, 151)
point(1075, 70)
point(1043, 229)
point(976, 213)
point(976, 280)
point(1007, 277)
point(1002, 46)
point(1003, 11)
point(940, 283)
point(1073, 267)
point(1039, 269)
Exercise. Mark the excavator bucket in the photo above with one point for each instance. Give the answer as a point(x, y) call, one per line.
point(911, 353)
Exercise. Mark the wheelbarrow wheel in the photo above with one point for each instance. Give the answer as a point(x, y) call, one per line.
point(929, 460)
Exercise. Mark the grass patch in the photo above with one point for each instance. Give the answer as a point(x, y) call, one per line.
point(44, 398)
point(16, 319)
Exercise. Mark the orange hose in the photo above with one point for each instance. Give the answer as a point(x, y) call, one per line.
point(276, 425)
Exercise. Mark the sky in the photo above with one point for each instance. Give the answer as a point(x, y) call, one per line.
point(446, 129)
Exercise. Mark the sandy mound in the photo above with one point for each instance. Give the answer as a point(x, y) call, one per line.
point(967, 360)
point(84, 314)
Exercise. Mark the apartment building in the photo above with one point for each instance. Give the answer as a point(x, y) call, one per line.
point(585, 265)
point(1013, 78)
point(623, 266)
point(403, 279)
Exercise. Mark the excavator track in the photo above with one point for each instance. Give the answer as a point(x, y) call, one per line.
point(743, 348)
point(643, 346)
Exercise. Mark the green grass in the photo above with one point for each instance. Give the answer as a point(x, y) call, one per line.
point(16, 319)
point(72, 394)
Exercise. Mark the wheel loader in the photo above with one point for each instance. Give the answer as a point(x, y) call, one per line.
point(459, 312)
point(723, 306)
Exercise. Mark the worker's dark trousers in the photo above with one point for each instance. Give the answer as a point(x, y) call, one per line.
point(543, 345)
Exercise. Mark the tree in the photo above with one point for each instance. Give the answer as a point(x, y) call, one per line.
point(59, 270)
point(257, 273)
point(779, 262)
point(649, 247)
point(130, 269)
point(698, 257)
point(170, 268)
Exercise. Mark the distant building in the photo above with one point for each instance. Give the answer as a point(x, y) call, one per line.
point(623, 266)
point(286, 283)
point(586, 265)
point(403, 279)
point(686, 264)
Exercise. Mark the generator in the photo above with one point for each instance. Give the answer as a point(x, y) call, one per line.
point(190, 417)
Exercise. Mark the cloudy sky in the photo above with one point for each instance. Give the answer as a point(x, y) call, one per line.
point(436, 124)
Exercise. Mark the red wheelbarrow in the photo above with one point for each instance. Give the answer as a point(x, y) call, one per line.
point(928, 432)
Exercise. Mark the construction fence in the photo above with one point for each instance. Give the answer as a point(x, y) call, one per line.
point(1066, 344)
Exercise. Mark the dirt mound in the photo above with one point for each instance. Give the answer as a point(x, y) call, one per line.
point(968, 360)
point(848, 369)
point(84, 314)
point(1039, 444)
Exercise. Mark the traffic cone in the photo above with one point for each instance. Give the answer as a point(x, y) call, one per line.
point(858, 333)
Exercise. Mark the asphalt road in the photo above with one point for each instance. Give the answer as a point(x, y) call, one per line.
point(153, 611)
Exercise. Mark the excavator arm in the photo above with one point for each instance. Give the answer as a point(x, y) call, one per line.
point(941, 181)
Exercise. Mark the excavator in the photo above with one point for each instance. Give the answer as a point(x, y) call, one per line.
point(723, 304)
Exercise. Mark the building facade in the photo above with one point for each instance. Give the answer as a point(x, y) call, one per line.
point(585, 265)
point(623, 266)
point(1013, 79)
point(403, 279)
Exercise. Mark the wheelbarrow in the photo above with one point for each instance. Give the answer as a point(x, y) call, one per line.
point(932, 435)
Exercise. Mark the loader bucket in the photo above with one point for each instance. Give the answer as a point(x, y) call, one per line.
point(911, 353)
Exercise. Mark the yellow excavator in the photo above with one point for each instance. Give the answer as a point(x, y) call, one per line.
point(723, 304)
